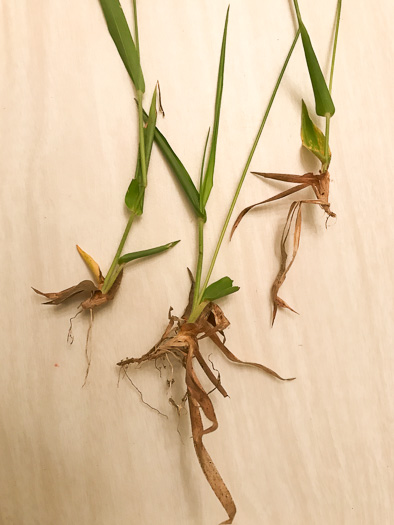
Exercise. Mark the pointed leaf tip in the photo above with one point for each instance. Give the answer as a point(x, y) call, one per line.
point(128, 257)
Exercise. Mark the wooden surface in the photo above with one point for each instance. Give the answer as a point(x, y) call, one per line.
point(317, 451)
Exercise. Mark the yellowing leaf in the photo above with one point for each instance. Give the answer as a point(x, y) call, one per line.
point(312, 137)
point(92, 265)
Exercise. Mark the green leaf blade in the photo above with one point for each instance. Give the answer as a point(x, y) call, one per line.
point(324, 104)
point(179, 171)
point(323, 101)
point(219, 289)
point(128, 257)
point(134, 198)
point(120, 33)
point(312, 137)
point(208, 178)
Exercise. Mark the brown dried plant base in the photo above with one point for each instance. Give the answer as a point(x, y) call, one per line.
point(181, 342)
point(320, 184)
point(94, 298)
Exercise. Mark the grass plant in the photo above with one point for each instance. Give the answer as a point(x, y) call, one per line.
point(98, 293)
point(203, 318)
point(317, 143)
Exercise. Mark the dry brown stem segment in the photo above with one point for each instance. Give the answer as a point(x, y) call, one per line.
point(321, 185)
point(181, 339)
point(99, 299)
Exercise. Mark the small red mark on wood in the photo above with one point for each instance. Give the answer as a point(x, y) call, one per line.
point(56, 364)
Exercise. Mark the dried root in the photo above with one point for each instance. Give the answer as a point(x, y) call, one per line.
point(181, 341)
point(320, 184)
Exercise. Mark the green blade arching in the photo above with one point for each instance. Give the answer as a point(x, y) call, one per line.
point(120, 33)
point(208, 178)
point(128, 257)
point(134, 198)
point(312, 137)
point(324, 104)
point(220, 288)
point(179, 171)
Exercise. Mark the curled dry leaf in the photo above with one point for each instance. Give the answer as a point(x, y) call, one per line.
point(59, 297)
point(96, 297)
point(181, 341)
point(320, 184)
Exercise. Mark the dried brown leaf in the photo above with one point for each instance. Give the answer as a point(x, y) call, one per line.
point(231, 357)
point(199, 400)
point(59, 297)
point(281, 195)
point(189, 306)
point(208, 372)
point(320, 184)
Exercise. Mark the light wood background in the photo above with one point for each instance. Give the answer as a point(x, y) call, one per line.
point(317, 451)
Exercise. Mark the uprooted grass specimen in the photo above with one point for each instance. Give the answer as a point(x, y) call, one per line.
point(203, 318)
point(317, 143)
point(180, 341)
point(98, 293)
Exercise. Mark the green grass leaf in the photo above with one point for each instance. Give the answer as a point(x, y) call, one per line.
point(134, 198)
point(220, 288)
point(120, 32)
point(324, 104)
point(128, 257)
point(203, 162)
point(179, 172)
point(312, 137)
point(206, 188)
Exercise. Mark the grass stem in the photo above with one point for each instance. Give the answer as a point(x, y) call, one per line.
point(245, 170)
point(136, 35)
point(334, 52)
point(199, 262)
point(297, 8)
point(109, 278)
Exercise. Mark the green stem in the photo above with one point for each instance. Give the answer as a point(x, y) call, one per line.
point(109, 280)
point(249, 160)
point(334, 53)
point(297, 10)
point(141, 138)
point(334, 50)
point(114, 276)
point(137, 40)
point(199, 262)
point(326, 162)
